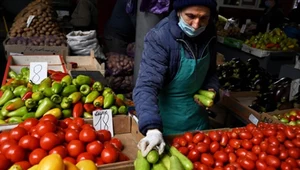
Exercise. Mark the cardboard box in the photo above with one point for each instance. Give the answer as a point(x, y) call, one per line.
point(238, 103)
point(85, 63)
point(30, 50)
point(268, 117)
point(125, 129)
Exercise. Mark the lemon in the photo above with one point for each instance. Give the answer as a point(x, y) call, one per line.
point(15, 167)
point(35, 167)
point(152, 156)
point(86, 165)
point(70, 166)
point(51, 162)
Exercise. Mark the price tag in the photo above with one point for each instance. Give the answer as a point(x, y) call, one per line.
point(38, 72)
point(29, 20)
point(243, 28)
point(253, 119)
point(102, 119)
point(226, 25)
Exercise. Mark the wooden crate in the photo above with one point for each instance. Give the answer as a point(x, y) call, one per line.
point(238, 103)
point(268, 116)
point(85, 63)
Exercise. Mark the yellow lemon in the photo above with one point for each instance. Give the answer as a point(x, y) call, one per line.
point(35, 167)
point(86, 165)
point(51, 162)
point(70, 166)
point(15, 167)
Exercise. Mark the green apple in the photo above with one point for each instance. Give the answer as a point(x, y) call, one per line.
point(293, 113)
point(284, 120)
point(293, 123)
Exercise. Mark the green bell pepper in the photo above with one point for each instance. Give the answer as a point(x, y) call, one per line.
point(36, 96)
point(45, 83)
point(6, 96)
point(56, 88)
point(35, 88)
point(74, 97)
point(7, 87)
point(14, 120)
point(98, 86)
point(22, 89)
point(65, 104)
point(19, 112)
point(83, 79)
point(56, 98)
point(30, 103)
point(46, 105)
point(122, 110)
point(66, 80)
point(67, 113)
point(114, 109)
point(69, 90)
point(85, 89)
point(108, 100)
point(28, 115)
point(12, 74)
point(92, 96)
point(106, 91)
point(47, 91)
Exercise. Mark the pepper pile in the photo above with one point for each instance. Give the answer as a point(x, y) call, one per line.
point(63, 98)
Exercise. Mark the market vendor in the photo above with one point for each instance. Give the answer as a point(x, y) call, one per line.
point(179, 58)
point(273, 15)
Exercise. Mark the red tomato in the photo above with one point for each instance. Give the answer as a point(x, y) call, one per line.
point(285, 166)
point(221, 156)
point(214, 136)
point(232, 157)
point(203, 167)
point(5, 163)
point(245, 135)
point(235, 143)
point(79, 121)
point(206, 140)
point(264, 145)
point(6, 145)
point(95, 148)
point(194, 155)
point(50, 118)
point(106, 135)
point(73, 125)
point(290, 133)
point(4, 136)
point(87, 135)
point(116, 143)
point(191, 145)
point(241, 152)
point(292, 162)
point(294, 153)
point(256, 149)
point(44, 127)
point(99, 161)
point(29, 142)
point(228, 149)
point(296, 142)
point(214, 146)
point(224, 139)
point(36, 156)
point(68, 120)
point(183, 150)
point(283, 155)
point(250, 127)
point(202, 147)
point(61, 136)
point(251, 156)
point(70, 159)
point(17, 133)
point(229, 167)
point(207, 159)
point(273, 161)
point(15, 153)
point(218, 165)
point(30, 123)
point(109, 155)
point(281, 136)
point(262, 156)
point(256, 140)
point(85, 156)
point(258, 133)
point(188, 136)
point(49, 141)
point(71, 134)
point(196, 165)
point(176, 140)
point(123, 157)
point(182, 142)
point(87, 126)
point(35, 134)
point(261, 165)
point(61, 150)
point(62, 124)
point(247, 163)
point(75, 147)
point(273, 141)
point(269, 132)
point(233, 135)
point(289, 144)
point(198, 137)
point(247, 144)
point(24, 165)
point(176, 145)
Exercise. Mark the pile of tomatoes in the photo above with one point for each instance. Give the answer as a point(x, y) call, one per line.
point(266, 146)
point(72, 139)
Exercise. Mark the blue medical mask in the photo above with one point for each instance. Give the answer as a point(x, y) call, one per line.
point(189, 30)
point(268, 4)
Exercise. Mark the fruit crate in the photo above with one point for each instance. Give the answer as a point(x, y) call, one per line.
point(264, 53)
point(238, 103)
point(268, 117)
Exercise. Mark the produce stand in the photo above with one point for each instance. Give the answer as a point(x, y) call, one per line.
point(264, 53)
point(268, 117)
point(238, 102)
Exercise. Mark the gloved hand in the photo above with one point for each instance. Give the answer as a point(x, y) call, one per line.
point(153, 138)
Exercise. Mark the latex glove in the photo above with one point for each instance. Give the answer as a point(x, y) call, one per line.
point(153, 138)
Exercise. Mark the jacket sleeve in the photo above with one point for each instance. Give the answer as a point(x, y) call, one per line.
point(151, 77)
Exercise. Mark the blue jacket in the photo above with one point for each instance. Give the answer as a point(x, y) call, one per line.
point(160, 62)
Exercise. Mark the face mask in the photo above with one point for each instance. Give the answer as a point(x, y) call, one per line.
point(268, 3)
point(189, 30)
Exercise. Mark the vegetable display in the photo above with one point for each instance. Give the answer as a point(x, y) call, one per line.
point(272, 146)
point(72, 139)
point(290, 117)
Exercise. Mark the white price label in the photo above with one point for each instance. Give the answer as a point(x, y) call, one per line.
point(38, 72)
point(102, 119)
point(29, 20)
point(253, 119)
point(243, 28)
point(226, 25)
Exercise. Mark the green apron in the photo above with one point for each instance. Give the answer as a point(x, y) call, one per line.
point(179, 111)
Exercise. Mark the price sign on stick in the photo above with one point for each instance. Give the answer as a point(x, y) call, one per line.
point(243, 28)
point(102, 119)
point(38, 72)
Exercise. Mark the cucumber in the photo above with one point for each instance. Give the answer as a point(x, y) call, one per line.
point(166, 161)
point(186, 163)
point(141, 163)
point(204, 100)
point(175, 163)
point(209, 94)
point(159, 166)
